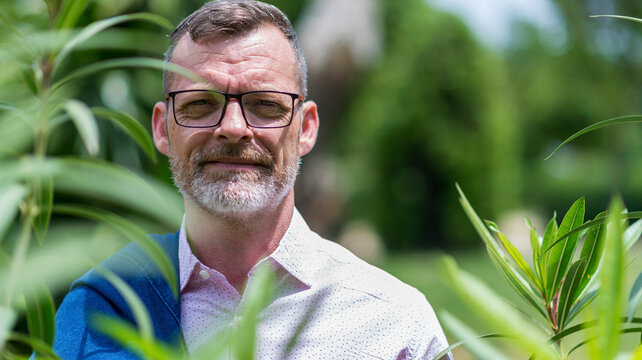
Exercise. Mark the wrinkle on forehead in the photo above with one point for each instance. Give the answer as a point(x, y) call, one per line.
point(264, 50)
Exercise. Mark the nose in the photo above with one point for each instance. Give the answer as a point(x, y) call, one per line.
point(233, 127)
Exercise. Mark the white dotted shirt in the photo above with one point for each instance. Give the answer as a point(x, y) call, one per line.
point(350, 309)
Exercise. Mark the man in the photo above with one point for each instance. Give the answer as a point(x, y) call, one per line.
point(234, 140)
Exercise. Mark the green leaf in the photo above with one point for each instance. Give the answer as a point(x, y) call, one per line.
point(43, 349)
point(491, 308)
point(592, 251)
point(132, 232)
point(536, 248)
point(101, 180)
point(588, 224)
point(453, 346)
point(126, 335)
point(132, 127)
point(560, 255)
point(94, 28)
point(141, 316)
point(41, 312)
point(634, 298)
point(8, 318)
point(618, 17)
point(479, 349)
point(44, 194)
point(518, 283)
point(258, 295)
point(632, 234)
point(513, 252)
point(10, 197)
point(85, 123)
point(612, 278)
point(70, 13)
point(581, 303)
point(542, 261)
point(125, 63)
point(521, 284)
point(598, 125)
point(568, 293)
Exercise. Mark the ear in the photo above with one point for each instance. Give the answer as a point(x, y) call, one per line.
point(159, 128)
point(309, 127)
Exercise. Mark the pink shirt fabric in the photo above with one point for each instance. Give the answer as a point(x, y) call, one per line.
point(354, 310)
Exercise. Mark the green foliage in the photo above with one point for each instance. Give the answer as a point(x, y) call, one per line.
point(33, 180)
point(424, 116)
point(559, 285)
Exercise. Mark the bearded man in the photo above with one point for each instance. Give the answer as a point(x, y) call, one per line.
point(234, 139)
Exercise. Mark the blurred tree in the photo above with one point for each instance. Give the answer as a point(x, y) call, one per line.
point(436, 110)
point(592, 75)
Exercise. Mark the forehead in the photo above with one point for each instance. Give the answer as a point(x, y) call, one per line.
point(263, 59)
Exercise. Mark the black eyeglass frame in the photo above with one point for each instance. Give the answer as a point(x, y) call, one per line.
point(228, 96)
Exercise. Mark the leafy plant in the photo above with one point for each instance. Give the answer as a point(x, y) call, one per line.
point(558, 286)
point(43, 242)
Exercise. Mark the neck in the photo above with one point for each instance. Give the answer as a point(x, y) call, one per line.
point(233, 245)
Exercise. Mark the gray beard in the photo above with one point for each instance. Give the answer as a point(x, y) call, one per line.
point(235, 195)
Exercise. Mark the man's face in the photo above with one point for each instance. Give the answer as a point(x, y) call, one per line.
point(233, 169)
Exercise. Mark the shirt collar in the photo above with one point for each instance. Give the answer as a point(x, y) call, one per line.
point(295, 253)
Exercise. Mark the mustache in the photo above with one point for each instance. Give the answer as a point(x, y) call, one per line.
point(240, 151)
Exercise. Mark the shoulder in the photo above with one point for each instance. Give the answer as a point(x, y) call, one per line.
point(134, 260)
point(344, 269)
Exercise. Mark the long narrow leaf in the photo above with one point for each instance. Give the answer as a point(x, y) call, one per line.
point(132, 232)
point(592, 251)
point(494, 310)
point(513, 252)
point(588, 224)
point(598, 125)
point(583, 301)
point(10, 197)
point(103, 181)
point(141, 315)
point(618, 17)
point(479, 349)
point(41, 312)
point(536, 247)
point(132, 127)
point(498, 254)
point(518, 283)
point(125, 63)
point(559, 258)
point(98, 26)
point(542, 261)
point(632, 234)
point(70, 13)
point(453, 346)
point(634, 298)
point(610, 304)
point(44, 194)
point(7, 320)
point(256, 298)
point(568, 291)
point(123, 333)
point(85, 123)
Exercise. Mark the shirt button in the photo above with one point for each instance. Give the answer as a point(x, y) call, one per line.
point(204, 274)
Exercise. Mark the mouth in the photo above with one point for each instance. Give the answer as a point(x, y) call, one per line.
point(234, 164)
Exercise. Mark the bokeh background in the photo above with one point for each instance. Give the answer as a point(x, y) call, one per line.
point(415, 96)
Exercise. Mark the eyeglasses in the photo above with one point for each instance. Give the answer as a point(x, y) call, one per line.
point(206, 108)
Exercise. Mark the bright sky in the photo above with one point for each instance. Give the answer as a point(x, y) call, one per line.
point(490, 20)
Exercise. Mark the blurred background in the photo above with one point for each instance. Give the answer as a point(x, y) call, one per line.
point(415, 96)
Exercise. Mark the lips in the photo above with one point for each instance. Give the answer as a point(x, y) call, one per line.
point(234, 164)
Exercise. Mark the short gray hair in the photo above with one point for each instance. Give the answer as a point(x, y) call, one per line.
point(232, 18)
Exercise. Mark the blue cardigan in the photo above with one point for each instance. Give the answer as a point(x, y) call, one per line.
point(76, 339)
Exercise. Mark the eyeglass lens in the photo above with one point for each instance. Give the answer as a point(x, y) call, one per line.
point(205, 108)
